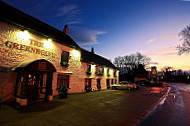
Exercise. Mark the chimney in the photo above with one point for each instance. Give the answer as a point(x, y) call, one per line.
point(66, 30)
point(92, 50)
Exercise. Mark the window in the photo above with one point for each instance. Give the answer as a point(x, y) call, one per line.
point(64, 58)
point(115, 71)
point(115, 81)
point(108, 72)
point(62, 80)
point(87, 83)
point(99, 70)
point(108, 83)
point(98, 84)
point(111, 81)
point(89, 70)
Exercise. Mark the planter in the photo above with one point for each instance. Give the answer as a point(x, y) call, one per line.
point(88, 89)
point(88, 73)
point(23, 102)
point(108, 86)
point(99, 74)
point(99, 87)
point(63, 92)
point(65, 64)
point(50, 97)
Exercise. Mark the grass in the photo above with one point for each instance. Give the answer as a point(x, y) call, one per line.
point(107, 107)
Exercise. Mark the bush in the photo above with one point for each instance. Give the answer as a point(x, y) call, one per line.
point(99, 86)
point(108, 86)
point(88, 89)
point(63, 92)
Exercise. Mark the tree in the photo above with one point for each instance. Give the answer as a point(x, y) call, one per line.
point(131, 65)
point(185, 37)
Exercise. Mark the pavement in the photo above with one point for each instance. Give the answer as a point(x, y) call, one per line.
point(99, 108)
point(173, 110)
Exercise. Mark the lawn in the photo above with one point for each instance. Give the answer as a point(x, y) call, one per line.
point(107, 107)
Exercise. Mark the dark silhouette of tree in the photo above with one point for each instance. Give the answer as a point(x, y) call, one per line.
point(185, 37)
point(130, 64)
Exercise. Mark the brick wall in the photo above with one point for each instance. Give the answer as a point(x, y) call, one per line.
point(13, 57)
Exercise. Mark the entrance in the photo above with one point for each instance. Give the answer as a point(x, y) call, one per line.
point(36, 86)
point(34, 80)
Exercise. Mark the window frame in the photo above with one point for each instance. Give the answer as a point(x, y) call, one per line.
point(62, 79)
point(99, 70)
point(65, 58)
point(87, 84)
point(89, 67)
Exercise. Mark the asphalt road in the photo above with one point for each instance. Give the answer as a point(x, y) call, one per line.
point(173, 110)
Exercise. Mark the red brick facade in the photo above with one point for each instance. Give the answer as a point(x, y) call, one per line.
point(18, 48)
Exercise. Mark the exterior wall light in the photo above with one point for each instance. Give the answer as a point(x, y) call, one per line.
point(76, 53)
point(23, 35)
point(48, 43)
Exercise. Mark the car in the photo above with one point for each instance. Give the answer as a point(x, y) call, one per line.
point(144, 83)
point(124, 85)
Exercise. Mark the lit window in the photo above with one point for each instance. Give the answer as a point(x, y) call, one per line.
point(64, 58)
point(108, 72)
point(99, 70)
point(88, 69)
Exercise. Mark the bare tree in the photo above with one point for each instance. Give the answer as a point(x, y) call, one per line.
point(132, 61)
point(185, 37)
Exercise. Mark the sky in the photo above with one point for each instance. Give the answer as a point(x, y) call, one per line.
point(119, 27)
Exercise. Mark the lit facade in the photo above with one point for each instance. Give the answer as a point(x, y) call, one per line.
point(37, 59)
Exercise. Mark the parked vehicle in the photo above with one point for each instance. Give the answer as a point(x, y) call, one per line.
point(124, 85)
point(144, 83)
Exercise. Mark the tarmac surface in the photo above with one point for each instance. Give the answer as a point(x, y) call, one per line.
point(173, 110)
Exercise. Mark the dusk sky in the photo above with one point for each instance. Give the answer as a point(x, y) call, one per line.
point(119, 27)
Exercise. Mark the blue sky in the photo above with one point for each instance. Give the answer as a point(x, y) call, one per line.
point(118, 27)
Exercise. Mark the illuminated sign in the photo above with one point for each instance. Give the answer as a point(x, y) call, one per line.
point(153, 71)
point(13, 45)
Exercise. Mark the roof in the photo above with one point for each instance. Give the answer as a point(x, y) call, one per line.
point(90, 57)
point(27, 22)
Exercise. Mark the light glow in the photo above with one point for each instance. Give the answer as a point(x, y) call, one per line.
point(23, 35)
point(76, 53)
point(48, 43)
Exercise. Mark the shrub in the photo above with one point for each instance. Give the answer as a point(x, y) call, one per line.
point(88, 89)
point(63, 92)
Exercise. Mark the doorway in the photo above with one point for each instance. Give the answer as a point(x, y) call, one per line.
point(34, 80)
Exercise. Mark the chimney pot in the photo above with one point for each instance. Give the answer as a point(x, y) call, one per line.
point(92, 50)
point(66, 30)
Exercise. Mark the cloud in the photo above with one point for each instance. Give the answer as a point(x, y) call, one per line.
point(169, 35)
point(166, 51)
point(185, 0)
point(68, 10)
point(73, 22)
point(151, 40)
point(85, 36)
point(154, 63)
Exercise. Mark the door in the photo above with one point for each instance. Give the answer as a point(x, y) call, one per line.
point(108, 83)
point(32, 86)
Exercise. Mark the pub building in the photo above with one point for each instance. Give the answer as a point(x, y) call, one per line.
point(37, 59)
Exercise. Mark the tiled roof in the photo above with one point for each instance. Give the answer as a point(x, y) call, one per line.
point(90, 57)
point(27, 22)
